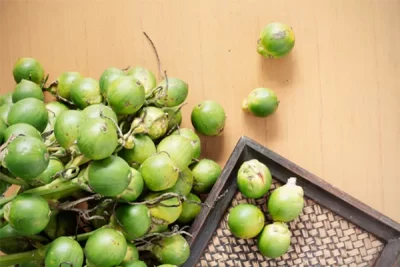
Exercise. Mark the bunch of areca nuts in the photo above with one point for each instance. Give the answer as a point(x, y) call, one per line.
point(104, 172)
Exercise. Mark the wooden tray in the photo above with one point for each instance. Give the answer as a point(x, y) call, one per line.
point(334, 229)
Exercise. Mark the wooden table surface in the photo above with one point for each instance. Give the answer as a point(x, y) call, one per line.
point(339, 115)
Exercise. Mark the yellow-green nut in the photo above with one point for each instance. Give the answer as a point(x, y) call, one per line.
point(64, 250)
point(205, 174)
point(254, 179)
point(165, 212)
point(173, 250)
point(145, 77)
point(286, 202)
point(105, 247)
point(132, 220)
point(261, 102)
point(190, 209)
point(85, 92)
point(246, 221)
point(274, 240)
point(276, 40)
point(184, 184)
point(26, 89)
point(159, 172)
point(65, 82)
point(208, 118)
point(29, 69)
point(28, 214)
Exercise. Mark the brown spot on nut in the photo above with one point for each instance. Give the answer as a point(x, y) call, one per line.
point(279, 35)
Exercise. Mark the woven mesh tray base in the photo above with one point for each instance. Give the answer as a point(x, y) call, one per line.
point(319, 238)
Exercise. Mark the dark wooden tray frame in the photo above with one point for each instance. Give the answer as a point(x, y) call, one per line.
point(372, 221)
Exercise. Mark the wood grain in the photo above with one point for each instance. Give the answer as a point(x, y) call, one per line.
point(339, 88)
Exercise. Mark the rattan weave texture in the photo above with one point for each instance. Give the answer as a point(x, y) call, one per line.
point(319, 238)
